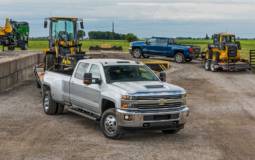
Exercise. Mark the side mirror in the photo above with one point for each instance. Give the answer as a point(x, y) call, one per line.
point(147, 42)
point(81, 34)
point(45, 24)
point(238, 45)
point(162, 76)
point(81, 25)
point(87, 78)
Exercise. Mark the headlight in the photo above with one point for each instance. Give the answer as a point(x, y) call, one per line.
point(124, 101)
point(184, 99)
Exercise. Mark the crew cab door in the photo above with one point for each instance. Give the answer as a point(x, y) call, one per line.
point(85, 96)
point(151, 47)
point(77, 87)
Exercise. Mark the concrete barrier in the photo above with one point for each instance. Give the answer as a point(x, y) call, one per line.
point(14, 70)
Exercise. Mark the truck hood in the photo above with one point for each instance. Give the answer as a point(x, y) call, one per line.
point(137, 43)
point(145, 87)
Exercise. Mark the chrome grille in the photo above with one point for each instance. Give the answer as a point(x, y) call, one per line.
point(157, 97)
point(157, 106)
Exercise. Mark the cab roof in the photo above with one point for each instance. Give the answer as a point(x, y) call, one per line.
point(225, 34)
point(109, 62)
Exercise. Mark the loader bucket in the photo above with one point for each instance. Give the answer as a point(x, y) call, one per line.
point(157, 65)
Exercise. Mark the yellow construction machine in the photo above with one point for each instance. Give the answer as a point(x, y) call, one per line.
point(64, 49)
point(224, 54)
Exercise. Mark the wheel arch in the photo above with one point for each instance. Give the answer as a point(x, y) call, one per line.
point(107, 104)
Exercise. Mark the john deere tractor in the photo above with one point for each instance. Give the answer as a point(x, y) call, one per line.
point(224, 54)
point(14, 34)
point(64, 42)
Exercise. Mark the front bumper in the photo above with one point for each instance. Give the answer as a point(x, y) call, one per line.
point(152, 119)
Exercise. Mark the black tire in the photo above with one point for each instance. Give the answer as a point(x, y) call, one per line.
point(24, 47)
point(60, 108)
point(179, 58)
point(11, 48)
point(170, 131)
point(212, 67)
point(207, 65)
point(110, 114)
point(189, 60)
point(49, 106)
point(137, 53)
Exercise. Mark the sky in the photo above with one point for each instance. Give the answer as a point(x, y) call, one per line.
point(146, 18)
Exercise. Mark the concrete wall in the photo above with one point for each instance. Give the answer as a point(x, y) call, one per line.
point(14, 70)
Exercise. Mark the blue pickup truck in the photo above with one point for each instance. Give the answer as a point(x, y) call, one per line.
point(165, 47)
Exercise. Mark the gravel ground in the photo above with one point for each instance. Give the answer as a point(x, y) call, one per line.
point(221, 125)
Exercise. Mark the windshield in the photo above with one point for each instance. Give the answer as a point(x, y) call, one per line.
point(228, 39)
point(127, 73)
point(63, 30)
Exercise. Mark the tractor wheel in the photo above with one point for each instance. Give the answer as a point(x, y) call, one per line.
point(24, 47)
point(11, 48)
point(137, 53)
point(212, 67)
point(179, 57)
point(207, 65)
point(49, 61)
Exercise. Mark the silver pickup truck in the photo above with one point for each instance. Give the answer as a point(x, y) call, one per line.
point(120, 94)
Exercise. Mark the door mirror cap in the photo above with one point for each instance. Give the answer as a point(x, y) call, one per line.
point(82, 25)
point(87, 79)
point(45, 24)
point(162, 76)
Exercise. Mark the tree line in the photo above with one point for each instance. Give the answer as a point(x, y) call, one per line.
point(112, 36)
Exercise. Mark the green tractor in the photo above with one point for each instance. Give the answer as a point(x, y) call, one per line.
point(14, 34)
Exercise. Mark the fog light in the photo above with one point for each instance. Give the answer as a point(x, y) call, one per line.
point(127, 117)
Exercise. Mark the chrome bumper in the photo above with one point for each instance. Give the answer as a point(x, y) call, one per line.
point(139, 119)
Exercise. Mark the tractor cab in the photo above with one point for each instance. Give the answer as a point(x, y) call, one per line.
point(222, 40)
point(64, 38)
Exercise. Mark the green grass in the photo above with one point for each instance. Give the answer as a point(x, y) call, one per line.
point(35, 45)
point(247, 45)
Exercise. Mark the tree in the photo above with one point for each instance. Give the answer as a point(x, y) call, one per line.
point(207, 37)
point(130, 37)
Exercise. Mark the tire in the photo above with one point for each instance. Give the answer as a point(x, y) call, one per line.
point(170, 131)
point(24, 47)
point(109, 124)
point(11, 48)
point(179, 58)
point(60, 108)
point(49, 106)
point(207, 65)
point(137, 53)
point(212, 67)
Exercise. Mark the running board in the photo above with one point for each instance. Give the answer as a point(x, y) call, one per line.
point(82, 113)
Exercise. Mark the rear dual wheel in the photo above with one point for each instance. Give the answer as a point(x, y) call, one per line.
point(50, 107)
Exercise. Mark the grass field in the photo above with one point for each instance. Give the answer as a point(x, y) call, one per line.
point(247, 45)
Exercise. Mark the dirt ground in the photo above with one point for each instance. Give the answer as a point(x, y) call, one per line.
point(221, 125)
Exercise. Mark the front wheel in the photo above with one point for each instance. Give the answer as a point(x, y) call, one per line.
point(137, 53)
point(179, 57)
point(175, 131)
point(109, 124)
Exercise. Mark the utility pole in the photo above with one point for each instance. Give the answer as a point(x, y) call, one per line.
point(113, 27)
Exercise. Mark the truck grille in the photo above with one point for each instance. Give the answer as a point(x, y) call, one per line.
point(157, 97)
point(161, 117)
point(157, 106)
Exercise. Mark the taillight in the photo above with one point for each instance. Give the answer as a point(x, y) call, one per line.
point(191, 50)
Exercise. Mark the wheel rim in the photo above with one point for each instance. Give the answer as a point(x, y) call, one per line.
point(212, 67)
point(137, 53)
point(178, 58)
point(206, 65)
point(110, 124)
point(46, 102)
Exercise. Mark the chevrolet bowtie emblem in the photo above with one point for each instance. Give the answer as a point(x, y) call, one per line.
point(162, 102)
